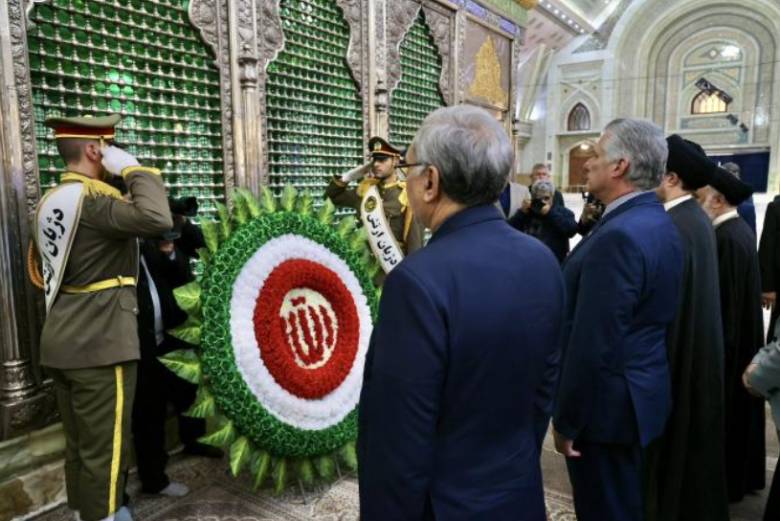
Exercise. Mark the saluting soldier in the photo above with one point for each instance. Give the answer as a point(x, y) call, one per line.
point(87, 238)
point(380, 199)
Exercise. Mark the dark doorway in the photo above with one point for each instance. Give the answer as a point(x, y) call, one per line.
point(755, 168)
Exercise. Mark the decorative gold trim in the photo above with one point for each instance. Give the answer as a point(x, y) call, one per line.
point(527, 4)
point(116, 455)
point(84, 136)
point(145, 169)
point(118, 282)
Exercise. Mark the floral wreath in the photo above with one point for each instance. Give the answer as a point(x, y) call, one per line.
point(282, 316)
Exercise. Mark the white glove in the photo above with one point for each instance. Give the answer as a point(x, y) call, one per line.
point(115, 160)
point(356, 173)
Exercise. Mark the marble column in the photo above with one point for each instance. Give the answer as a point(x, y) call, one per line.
point(26, 401)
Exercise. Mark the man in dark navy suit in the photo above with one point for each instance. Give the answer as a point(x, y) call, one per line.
point(460, 370)
point(622, 285)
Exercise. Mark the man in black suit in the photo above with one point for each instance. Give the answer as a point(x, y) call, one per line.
point(164, 266)
point(769, 260)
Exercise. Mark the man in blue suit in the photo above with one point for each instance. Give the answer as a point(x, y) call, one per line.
point(622, 285)
point(460, 370)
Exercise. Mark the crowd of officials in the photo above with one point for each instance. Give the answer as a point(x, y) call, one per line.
point(644, 344)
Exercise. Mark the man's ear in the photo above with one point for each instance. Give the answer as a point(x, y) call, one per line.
point(620, 167)
point(92, 151)
point(431, 178)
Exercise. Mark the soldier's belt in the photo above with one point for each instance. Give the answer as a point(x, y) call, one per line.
point(116, 282)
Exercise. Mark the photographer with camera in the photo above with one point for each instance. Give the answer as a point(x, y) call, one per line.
point(551, 223)
point(165, 264)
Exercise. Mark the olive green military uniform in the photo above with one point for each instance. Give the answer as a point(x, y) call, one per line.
point(89, 342)
point(409, 240)
point(407, 231)
point(409, 236)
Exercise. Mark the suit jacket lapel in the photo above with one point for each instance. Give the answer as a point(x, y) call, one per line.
point(584, 240)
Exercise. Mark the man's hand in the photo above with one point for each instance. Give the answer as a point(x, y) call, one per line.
point(768, 299)
point(166, 247)
point(525, 207)
point(115, 160)
point(749, 370)
point(356, 173)
point(564, 445)
point(589, 213)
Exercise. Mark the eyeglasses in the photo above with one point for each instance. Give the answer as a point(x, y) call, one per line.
point(404, 168)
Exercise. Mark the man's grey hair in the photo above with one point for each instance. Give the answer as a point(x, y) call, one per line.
point(733, 169)
point(471, 150)
point(542, 187)
point(538, 166)
point(643, 145)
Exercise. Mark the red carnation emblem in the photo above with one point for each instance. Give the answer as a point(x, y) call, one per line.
point(307, 328)
point(311, 327)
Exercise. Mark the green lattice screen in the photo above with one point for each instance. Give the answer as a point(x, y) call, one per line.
point(141, 58)
point(418, 92)
point(314, 111)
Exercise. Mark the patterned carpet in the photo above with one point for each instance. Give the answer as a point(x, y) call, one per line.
point(216, 496)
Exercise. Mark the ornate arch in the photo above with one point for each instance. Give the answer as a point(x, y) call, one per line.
point(663, 103)
point(579, 118)
point(588, 101)
point(399, 21)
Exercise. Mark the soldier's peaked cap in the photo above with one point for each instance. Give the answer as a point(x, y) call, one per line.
point(84, 127)
point(380, 147)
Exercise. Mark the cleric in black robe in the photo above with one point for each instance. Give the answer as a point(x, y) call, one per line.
point(685, 468)
point(743, 330)
point(769, 260)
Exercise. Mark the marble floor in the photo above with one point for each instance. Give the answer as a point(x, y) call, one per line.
point(216, 496)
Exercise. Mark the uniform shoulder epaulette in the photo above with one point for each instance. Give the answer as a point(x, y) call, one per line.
point(364, 185)
point(403, 198)
point(92, 187)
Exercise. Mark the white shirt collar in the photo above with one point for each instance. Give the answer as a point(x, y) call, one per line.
point(159, 329)
point(725, 217)
point(668, 205)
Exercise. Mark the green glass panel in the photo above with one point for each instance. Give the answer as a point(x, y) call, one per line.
point(98, 56)
point(417, 92)
point(314, 110)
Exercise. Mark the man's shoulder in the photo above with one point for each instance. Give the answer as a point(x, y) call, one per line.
point(737, 233)
point(94, 208)
point(478, 240)
point(689, 215)
point(646, 227)
point(646, 214)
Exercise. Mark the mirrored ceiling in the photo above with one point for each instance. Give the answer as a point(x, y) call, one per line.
point(590, 10)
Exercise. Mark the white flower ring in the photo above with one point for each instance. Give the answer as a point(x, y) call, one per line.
point(303, 329)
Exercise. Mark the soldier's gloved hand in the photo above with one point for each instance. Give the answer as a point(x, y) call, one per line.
point(356, 173)
point(115, 160)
